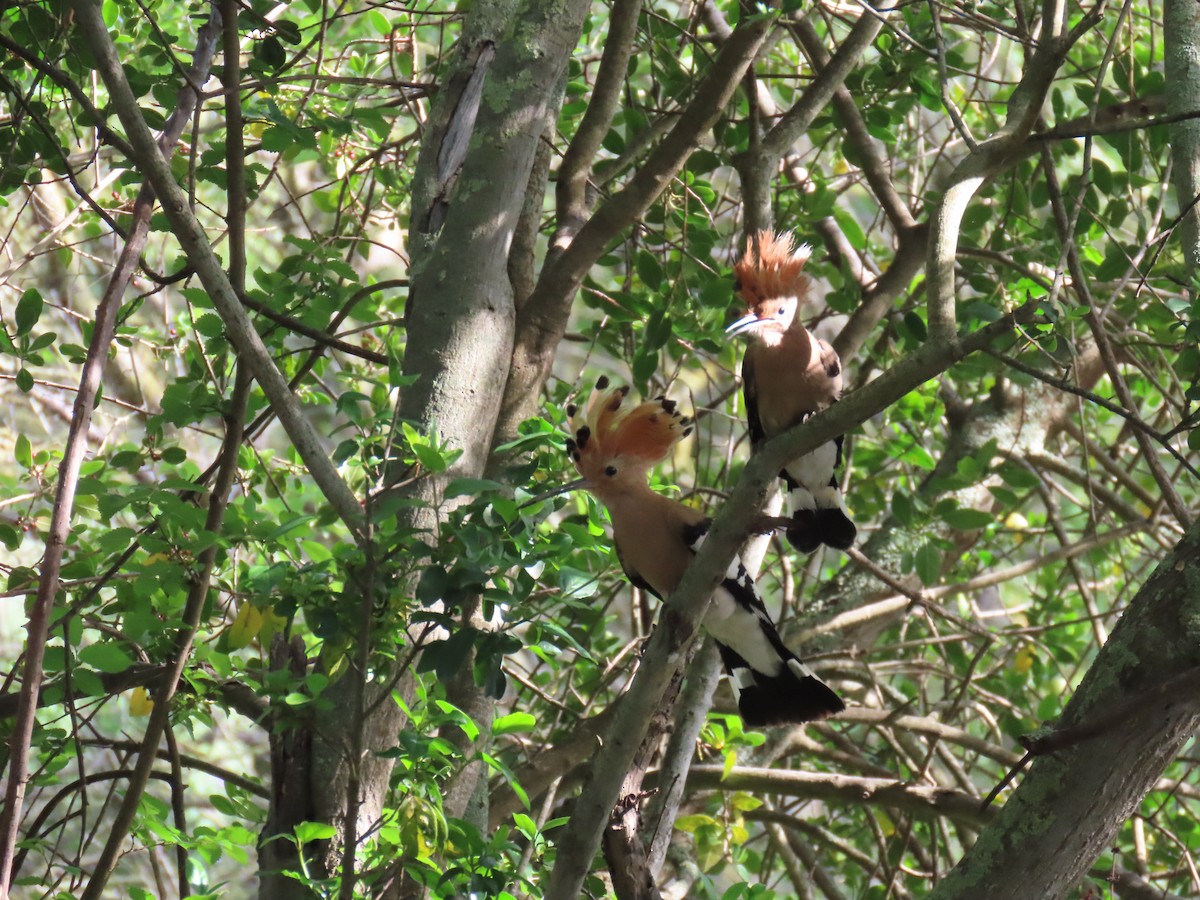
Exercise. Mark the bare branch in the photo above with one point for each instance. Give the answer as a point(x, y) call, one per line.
point(921, 800)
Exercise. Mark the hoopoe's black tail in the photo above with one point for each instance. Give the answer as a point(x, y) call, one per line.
point(790, 697)
point(811, 528)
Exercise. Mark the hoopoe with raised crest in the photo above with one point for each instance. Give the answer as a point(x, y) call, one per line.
point(655, 538)
point(788, 374)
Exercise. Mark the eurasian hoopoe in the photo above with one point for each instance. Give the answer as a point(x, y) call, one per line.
point(656, 537)
point(788, 374)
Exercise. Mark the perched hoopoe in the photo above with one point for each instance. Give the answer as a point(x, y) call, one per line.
point(788, 374)
point(655, 538)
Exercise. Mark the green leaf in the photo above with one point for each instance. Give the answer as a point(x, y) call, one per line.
point(313, 831)
point(9, 536)
point(379, 22)
point(42, 341)
point(130, 460)
point(693, 823)
point(525, 825)
point(509, 776)
point(1019, 477)
point(29, 310)
point(210, 325)
point(22, 452)
point(432, 585)
point(658, 330)
point(270, 51)
point(466, 487)
point(967, 519)
point(24, 380)
point(290, 525)
point(447, 657)
point(513, 723)
point(902, 508)
point(649, 270)
point(916, 325)
point(977, 309)
point(730, 762)
point(929, 564)
point(107, 657)
point(850, 228)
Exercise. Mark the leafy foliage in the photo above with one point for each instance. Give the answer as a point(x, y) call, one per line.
point(1021, 517)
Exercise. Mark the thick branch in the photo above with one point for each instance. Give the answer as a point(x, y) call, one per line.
point(992, 156)
point(542, 321)
point(1181, 34)
point(571, 195)
point(830, 78)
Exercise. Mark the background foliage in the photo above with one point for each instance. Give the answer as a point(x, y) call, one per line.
point(1010, 508)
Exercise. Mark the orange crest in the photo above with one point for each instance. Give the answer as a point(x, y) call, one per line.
point(771, 267)
point(639, 436)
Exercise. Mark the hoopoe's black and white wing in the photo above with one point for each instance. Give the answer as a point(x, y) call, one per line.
point(772, 684)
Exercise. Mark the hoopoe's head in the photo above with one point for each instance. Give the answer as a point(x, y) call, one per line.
point(771, 281)
point(613, 447)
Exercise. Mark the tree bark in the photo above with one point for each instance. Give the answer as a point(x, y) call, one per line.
point(469, 191)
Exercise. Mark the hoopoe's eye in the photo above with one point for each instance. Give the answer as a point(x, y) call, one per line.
point(610, 471)
point(779, 312)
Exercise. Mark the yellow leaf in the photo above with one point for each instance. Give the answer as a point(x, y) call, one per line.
point(245, 626)
point(1023, 661)
point(140, 702)
point(1014, 521)
point(886, 825)
point(271, 626)
point(744, 802)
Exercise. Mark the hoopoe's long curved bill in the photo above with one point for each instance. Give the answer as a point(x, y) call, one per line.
point(744, 324)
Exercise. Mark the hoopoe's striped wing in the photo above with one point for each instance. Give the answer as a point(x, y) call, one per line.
point(773, 685)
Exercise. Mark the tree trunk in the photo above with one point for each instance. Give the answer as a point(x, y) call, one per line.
point(1132, 713)
point(472, 176)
